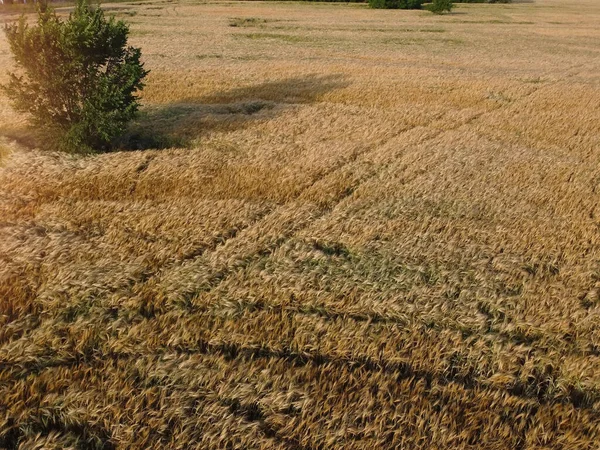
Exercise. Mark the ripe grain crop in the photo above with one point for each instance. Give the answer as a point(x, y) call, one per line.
point(330, 228)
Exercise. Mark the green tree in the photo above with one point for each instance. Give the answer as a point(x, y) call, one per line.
point(439, 6)
point(396, 4)
point(76, 78)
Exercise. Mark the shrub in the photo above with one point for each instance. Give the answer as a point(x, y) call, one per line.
point(439, 6)
point(396, 4)
point(77, 78)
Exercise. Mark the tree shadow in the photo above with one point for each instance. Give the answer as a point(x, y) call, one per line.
point(22, 135)
point(306, 89)
point(178, 124)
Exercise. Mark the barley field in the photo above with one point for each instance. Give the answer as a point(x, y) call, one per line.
point(330, 228)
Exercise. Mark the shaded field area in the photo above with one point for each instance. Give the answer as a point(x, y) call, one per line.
point(330, 228)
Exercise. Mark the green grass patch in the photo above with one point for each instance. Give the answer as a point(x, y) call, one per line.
point(276, 36)
point(246, 22)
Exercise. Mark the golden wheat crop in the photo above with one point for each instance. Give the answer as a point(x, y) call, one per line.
point(330, 228)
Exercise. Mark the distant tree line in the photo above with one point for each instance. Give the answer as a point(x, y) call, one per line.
point(432, 5)
point(12, 2)
point(404, 4)
point(482, 1)
point(26, 2)
point(408, 4)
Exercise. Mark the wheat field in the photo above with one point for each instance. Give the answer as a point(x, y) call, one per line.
point(330, 228)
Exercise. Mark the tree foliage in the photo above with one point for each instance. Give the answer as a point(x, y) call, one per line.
point(76, 78)
point(396, 4)
point(439, 6)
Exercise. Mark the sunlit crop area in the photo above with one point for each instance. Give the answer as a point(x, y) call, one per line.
point(330, 228)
